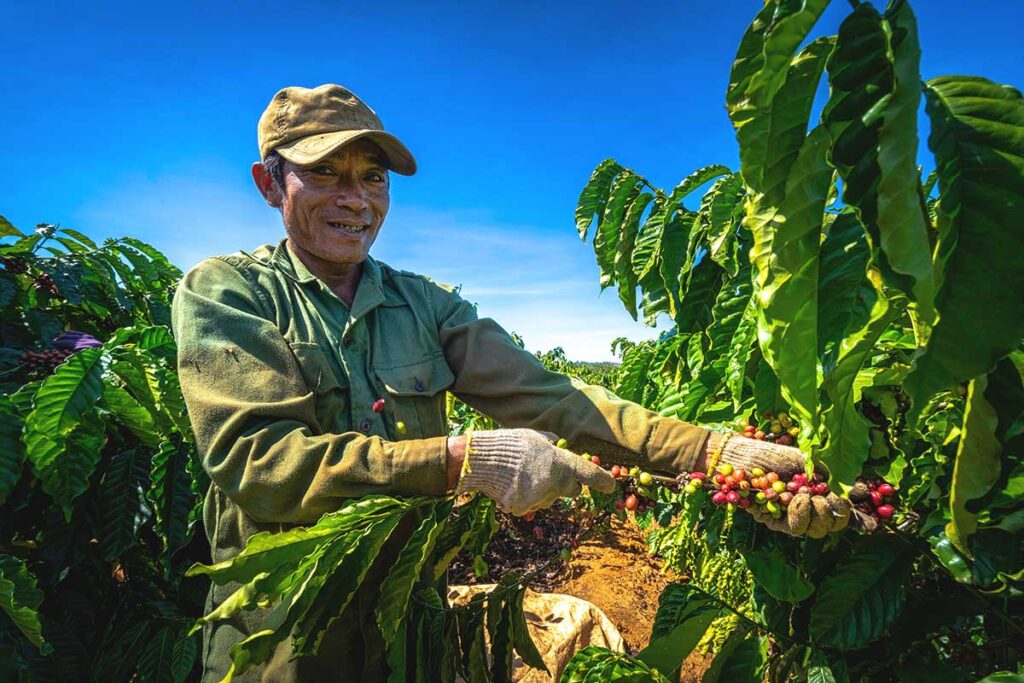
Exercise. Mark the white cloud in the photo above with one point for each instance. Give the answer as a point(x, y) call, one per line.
point(537, 280)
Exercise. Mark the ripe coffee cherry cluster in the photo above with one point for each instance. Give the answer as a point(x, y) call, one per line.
point(44, 284)
point(735, 487)
point(780, 430)
point(43, 361)
point(875, 497)
point(13, 265)
point(635, 482)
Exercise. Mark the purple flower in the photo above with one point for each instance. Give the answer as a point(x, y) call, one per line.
point(76, 341)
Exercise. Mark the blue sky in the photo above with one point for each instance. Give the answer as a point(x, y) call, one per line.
point(140, 118)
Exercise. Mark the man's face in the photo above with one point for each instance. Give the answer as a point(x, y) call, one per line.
point(333, 209)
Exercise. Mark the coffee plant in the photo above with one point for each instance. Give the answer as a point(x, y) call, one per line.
point(881, 314)
point(99, 487)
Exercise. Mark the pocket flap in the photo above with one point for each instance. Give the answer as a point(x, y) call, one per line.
point(316, 367)
point(424, 378)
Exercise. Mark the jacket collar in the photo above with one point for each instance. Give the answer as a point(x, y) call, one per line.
point(369, 292)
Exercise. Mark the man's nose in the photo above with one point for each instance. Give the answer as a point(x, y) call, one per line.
point(350, 195)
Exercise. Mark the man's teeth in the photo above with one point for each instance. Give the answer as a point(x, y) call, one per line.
point(349, 228)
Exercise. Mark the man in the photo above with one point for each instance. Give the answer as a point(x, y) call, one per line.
point(314, 373)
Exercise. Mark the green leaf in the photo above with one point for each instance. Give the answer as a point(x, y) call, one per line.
point(849, 433)
point(345, 579)
point(131, 414)
point(977, 137)
point(782, 580)
point(624, 191)
point(121, 501)
point(454, 535)
point(67, 396)
point(594, 195)
point(12, 452)
point(819, 671)
point(521, 639)
point(266, 551)
point(170, 493)
point(845, 295)
point(902, 218)
point(8, 230)
point(859, 600)
point(625, 275)
point(20, 600)
point(977, 464)
point(785, 256)
point(723, 209)
point(594, 663)
point(683, 617)
point(163, 657)
point(397, 587)
point(744, 663)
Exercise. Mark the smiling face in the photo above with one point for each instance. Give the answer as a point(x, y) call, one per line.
point(332, 210)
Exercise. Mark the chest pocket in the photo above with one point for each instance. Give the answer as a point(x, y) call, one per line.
point(332, 394)
point(417, 397)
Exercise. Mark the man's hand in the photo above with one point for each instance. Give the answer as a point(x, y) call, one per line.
point(524, 471)
point(806, 515)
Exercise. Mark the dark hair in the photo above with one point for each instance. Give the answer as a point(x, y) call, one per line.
point(274, 163)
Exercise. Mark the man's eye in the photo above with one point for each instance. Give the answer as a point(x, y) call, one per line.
point(375, 176)
point(323, 170)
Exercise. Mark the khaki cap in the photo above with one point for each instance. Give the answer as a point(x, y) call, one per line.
point(305, 125)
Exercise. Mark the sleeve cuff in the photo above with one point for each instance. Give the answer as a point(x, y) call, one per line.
point(420, 467)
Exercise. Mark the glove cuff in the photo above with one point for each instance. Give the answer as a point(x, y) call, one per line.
point(491, 464)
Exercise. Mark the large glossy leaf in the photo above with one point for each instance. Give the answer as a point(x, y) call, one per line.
point(763, 65)
point(265, 551)
point(131, 414)
point(522, 641)
point(7, 229)
point(785, 256)
point(845, 295)
point(723, 209)
point(745, 662)
point(594, 195)
point(977, 464)
point(634, 373)
point(121, 501)
point(683, 617)
point(742, 345)
point(624, 273)
point(902, 218)
point(782, 580)
point(168, 655)
point(978, 141)
point(337, 591)
point(20, 599)
point(397, 587)
point(858, 601)
point(170, 493)
point(849, 436)
point(625, 189)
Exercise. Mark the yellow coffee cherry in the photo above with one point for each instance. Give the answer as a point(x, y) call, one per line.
point(400, 427)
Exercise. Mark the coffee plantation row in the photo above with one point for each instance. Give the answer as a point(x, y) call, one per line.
point(824, 295)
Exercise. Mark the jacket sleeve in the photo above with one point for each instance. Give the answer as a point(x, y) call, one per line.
point(497, 377)
point(253, 414)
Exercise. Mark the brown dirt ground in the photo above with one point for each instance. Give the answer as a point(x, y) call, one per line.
point(611, 569)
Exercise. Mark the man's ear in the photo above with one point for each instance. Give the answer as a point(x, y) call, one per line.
point(265, 184)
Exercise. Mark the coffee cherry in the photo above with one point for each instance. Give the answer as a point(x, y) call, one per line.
point(785, 440)
point(744, 503)
point(772, 506)
point(719, 498)
point(615, 471)
point(793, 486)
point(732, 497)
point(761, 497)
point(805, 489)
point(759, 435)
point(885, 511)
point(697, 476)
point(778, 486)
point(400, 427)
point(719, 479)
point(730, 480)
point(562, 443)
point(631, 502)
point(820, 489)
point(771, 494)
point(886, 489)
point(690, 488)
point(739, 474)
point(596, 460)
point(619, 505)
point(538, 533)
point(565, 554)
point(646, 479)
point(757, 472)
point(876, 498)
point(772, 477)
point(725, 469)
point(634, 471)
point(378, 405)
point(785, 498)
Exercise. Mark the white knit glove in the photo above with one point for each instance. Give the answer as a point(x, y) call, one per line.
point(523, 471)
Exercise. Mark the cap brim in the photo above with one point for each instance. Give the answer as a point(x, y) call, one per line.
point(313, 148)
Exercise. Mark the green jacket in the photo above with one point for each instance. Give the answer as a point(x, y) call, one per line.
point(280, 377)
